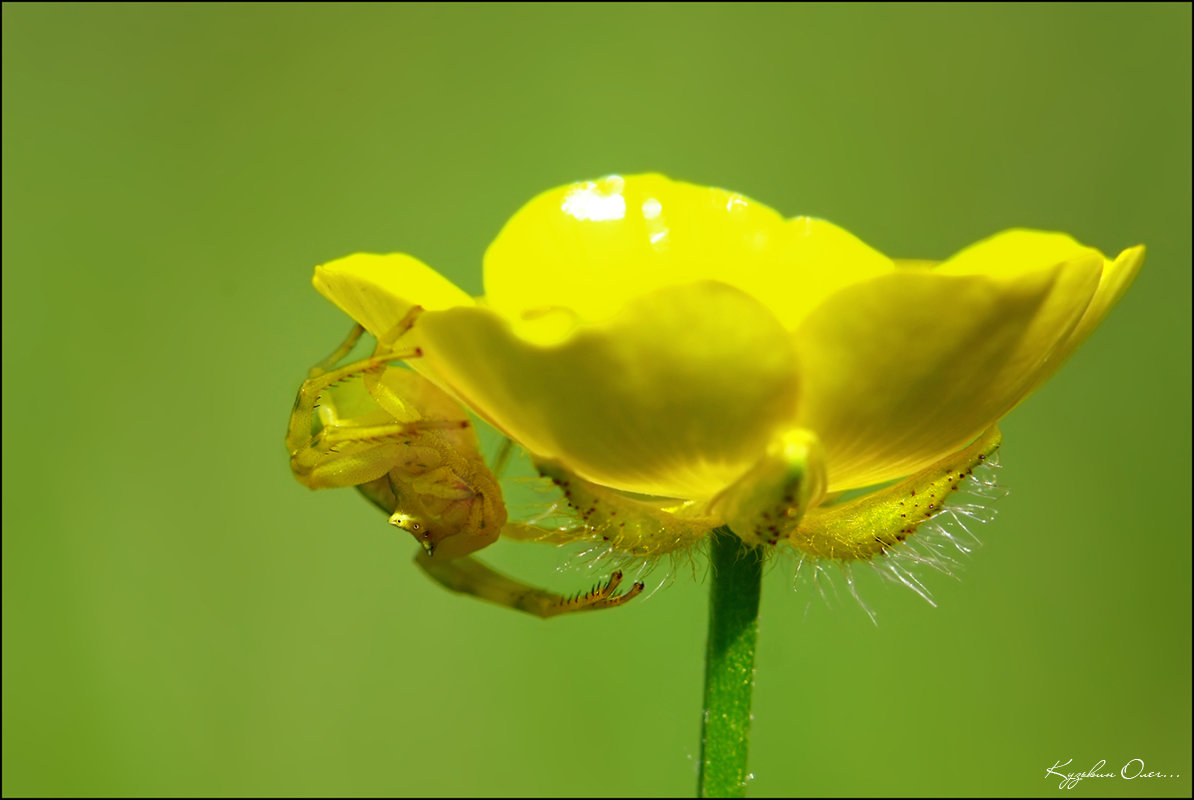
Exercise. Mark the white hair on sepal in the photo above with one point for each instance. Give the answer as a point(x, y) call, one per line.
point(587, 545)
point(811, 578)
point(927, 522)
point(599, 556)
point(984, 481)
point(938, 544)
point(547, 503)
point(848, 572)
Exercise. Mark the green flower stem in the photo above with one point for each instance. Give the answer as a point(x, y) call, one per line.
point(737, 573)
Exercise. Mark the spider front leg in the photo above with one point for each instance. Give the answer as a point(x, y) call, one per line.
point(348, 439)
point(338, 354)
point(469, 576)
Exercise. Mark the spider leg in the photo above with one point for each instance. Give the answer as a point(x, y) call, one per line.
point(469, 576)
point(330, 450)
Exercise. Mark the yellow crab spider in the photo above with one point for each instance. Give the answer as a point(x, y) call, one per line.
point(405, 445)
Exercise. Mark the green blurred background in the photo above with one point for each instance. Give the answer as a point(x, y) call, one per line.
point(182, 617)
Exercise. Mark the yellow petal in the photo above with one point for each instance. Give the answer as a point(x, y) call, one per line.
point(590, 247)
point(378, 290)
point(1116, 278)
point(1017, 251)
point(904, 369)
point(676, 396)
point(815, 259)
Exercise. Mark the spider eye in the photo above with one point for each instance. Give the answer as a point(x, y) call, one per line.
point(414, 526)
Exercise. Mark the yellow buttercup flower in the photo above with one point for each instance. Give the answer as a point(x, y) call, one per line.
point(682, 363)
point(688, 355)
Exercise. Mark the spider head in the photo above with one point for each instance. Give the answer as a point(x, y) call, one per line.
point(420, 527)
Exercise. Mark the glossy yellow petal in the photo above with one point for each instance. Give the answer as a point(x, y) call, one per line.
point(815, 259)
point(676, 396)
point(914, 263)
point(590, 247)
point(1116, 278)
point(378, 290)
point(1015, 252)
point(904, 369)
